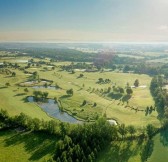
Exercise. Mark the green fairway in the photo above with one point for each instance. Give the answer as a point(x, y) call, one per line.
point(26, 146)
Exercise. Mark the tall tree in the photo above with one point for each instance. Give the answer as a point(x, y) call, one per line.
point(136, 83)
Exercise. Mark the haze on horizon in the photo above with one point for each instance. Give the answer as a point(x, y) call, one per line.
point(84, 20)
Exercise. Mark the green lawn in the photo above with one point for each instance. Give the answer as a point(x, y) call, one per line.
point(26, 146)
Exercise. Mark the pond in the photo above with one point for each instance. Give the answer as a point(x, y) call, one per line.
point(48, 87)
point(52, 109)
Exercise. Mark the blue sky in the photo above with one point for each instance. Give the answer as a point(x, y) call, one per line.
point(83, 20)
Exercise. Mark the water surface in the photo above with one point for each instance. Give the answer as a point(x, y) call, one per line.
point(52, 109)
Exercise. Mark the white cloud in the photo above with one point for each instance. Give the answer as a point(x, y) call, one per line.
point(163, 27)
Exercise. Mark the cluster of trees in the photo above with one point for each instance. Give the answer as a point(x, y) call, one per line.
point(38, 95)
point(149, 109)
point(86, 141)
point(34, 124)
point(81, 65)
point(85, 102)
point(159, 94)
point(8, 72)
point(103, 81)
point(116, 92)
point(60, 54)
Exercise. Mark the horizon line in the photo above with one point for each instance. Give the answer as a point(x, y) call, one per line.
point(90, 42)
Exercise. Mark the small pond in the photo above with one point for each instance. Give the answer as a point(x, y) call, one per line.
point(48, 87)
point(52, 109)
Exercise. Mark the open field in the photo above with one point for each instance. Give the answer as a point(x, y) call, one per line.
point(25, 146)
point(13, 97)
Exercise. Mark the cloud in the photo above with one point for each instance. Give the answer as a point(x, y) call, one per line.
point(163, 27)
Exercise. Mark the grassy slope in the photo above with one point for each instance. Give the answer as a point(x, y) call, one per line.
point(12, 98)
point(19, 147)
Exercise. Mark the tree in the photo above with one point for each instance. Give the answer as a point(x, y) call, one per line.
point(129, 91)
point(70, 92)
point(62, 129)
point(131, 129)
point(122, 130)
point(95, 104)
point(100, 80)
point(136, 83)
point(45, 94)
point(7, 84)
point(45, 85)
point(121, 90)
point(35, 74)
point(81, 75)
point(150, 129)
point(126, 68)
point(84, 102)
point(108, 89)
point(36, 124)
point(53, 68)
point(37, 94)
point(26, 90)
point(13, 74)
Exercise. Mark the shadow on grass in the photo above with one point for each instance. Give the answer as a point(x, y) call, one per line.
point(123, 151)
point(65, 96)
point(3, 87)
point(25, 99)
point(147, 150)
point(164, 137)
point(115, 96)
point(37, 144)
point(20, 94)
point(126, 98)
point(119, 152)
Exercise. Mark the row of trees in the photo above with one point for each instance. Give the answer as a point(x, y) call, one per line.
point(80, 142)
point(159, 94)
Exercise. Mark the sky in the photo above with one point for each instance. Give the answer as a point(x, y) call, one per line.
point(84, 20)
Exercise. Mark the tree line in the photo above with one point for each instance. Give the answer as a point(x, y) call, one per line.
point(80, 142)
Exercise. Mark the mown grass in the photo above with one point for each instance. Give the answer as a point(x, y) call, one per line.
point(26, 146)
point(13, 96)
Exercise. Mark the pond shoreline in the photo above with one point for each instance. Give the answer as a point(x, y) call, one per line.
point(44, 106)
